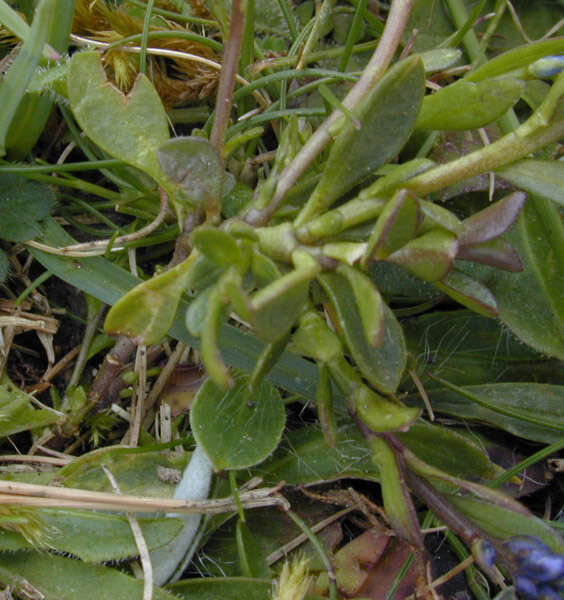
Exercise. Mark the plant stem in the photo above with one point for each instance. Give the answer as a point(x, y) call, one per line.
point(504, 151)
point(391, 36)
point(229, 68)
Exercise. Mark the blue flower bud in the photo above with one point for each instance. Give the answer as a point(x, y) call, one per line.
point(543, 566)
point(521, 547)
point(525, 586)
point(484, 553)
point(547, 66)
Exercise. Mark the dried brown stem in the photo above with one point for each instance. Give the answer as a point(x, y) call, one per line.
point(228, 76)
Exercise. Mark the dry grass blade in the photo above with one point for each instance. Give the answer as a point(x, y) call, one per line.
point(29, 494)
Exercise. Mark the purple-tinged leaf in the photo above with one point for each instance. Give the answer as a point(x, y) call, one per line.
point(493, 221)
point(430, 256)
point(496, 253)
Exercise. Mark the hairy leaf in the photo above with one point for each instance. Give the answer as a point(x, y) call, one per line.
point(238, 428)
point(23, 204)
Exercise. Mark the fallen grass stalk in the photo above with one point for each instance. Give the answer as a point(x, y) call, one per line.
point(29, 494)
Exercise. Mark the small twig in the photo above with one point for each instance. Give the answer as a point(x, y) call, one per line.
point(275, 556)
point(109, 370)
point(49, 460)
point(61, 364)
point(99, 247)
point(29, 494)
point(89, 333)
point(138, 400)
point(139, 542)
point(228, 76)
point(162, 379)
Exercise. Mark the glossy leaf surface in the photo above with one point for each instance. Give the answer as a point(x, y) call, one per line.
point(238, 428)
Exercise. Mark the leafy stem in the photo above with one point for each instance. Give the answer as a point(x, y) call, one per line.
point(544, 127)
point(391, 36)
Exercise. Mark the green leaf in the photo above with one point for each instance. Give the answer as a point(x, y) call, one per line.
point(33, 111)
point(196, 313)
point(466, 105)
point(23, 204)
point(315, 339)
point(429, 256)
point(276, 307)
point(237, 428)
point(324, 405)
point(96, 537)
point(466, 348)
point(397, 500)
point(387, 117)
point(382, 366)
point(217, 245)
point(59, 578)
point(447, 450)
point(496, 253)
point(130, 127)
point(13, 86)
point(303, 458)
point(227, 588)
point(213, 317)
point(544, 178)
point(504, 523)
point(488, 224)
point(108, 282)
point(533, 411)
point(147, 311)
point(197, 169)
point(469, 292)
point(530, 303)
point(4, 266)
point(396, 225)
point(17, 413)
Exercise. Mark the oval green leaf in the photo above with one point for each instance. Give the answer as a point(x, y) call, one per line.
point(466, 105)
point(238, 428)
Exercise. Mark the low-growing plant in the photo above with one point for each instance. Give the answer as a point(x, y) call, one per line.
point(360, 254)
